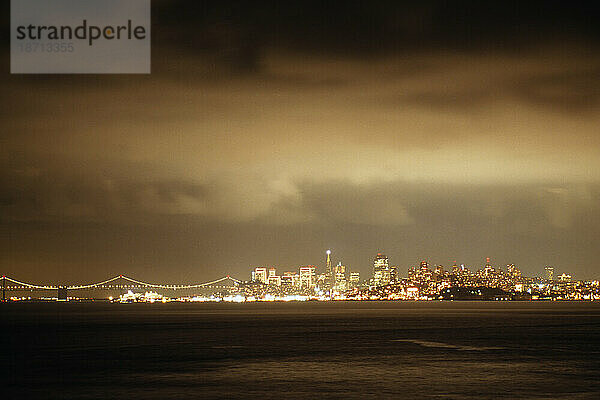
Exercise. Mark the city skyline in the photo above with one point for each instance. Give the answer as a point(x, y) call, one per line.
point(330, 258)
point(421, 282)
point(331, 264)
point(543, 270)
point(333, 282)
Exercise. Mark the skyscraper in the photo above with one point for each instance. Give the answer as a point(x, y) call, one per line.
point(488, 270)
point(307, 277)
point(513, 271)
point(381, 270)
point(549, 273)
point(455, 268)
point(354, 279)
point(329, 273)
point(340, 278)
point(393, 274)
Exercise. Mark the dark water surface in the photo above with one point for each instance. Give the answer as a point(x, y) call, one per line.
point(366, 350)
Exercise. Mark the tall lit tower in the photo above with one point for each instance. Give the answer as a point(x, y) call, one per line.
point(488, 267)
point(455, 268)
point(381, 270)
point(329, 274)
point(549, 273)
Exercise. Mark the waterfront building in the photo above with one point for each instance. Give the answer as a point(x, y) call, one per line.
point(259, 275)
point(274, 280)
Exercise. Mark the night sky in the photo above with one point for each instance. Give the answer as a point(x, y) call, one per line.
point(269, 132)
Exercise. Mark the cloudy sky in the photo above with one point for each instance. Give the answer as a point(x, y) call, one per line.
point(269, 132)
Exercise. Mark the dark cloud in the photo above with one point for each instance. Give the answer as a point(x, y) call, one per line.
point(357, 27)
point(54, 194)
point(566, 91)
point(457, 100)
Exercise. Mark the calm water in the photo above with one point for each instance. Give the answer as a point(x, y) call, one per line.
point(368, 350)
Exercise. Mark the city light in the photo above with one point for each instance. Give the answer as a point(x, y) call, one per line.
point(422, 282)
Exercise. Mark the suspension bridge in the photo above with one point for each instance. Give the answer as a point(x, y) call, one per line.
point(119, 282)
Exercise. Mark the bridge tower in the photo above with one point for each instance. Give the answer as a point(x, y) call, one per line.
point(3, 288)
point(62, 293)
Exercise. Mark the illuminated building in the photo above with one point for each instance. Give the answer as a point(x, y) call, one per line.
point(424, 274)
point(290, 280)
point(412, 273)
point(259, 274)
point(354, 279)
point(412, 293)
point(488, 270)
point(513, 271)
point(307, 277)
point(381, 270)
point(563, 277)
point(273, 278)
point(322, 282)
point(455, 269)
point(519, 287)
point(329, 278)
point(549, 273)
point(394, 274)
point(340, 278)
